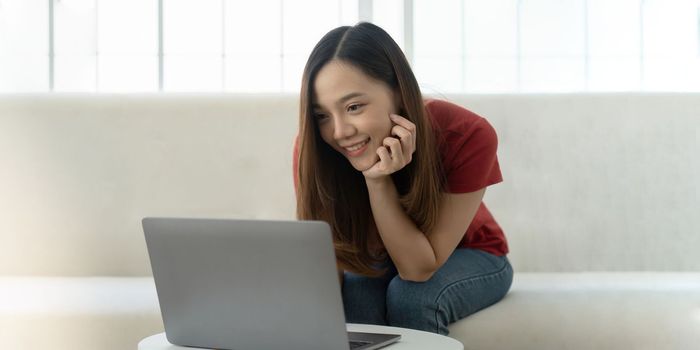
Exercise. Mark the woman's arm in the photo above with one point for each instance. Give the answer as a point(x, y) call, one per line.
point(417, 255)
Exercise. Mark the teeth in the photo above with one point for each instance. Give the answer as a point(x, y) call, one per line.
point(356, 147)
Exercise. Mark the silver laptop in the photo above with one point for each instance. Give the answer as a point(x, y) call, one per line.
point(243, 284)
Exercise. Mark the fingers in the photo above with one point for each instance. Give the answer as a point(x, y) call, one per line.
point(395, 152)
point(407, 140)
point(397, 156)
point(406, 131)
point(403, 122)
point(390, 155)
point(400, 131)
point(384, 157)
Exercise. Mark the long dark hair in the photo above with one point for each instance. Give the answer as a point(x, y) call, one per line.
point(328, 187)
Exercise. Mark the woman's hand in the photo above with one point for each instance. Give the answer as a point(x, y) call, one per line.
point(397, 150)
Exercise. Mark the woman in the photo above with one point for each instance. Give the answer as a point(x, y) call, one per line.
point(400, 181)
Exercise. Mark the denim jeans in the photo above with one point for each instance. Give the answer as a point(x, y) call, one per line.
point(469, 281)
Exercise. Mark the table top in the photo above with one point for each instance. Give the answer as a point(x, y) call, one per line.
point(411, 339)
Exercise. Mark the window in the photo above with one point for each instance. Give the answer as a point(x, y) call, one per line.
point(475, 46)
point(24, 46)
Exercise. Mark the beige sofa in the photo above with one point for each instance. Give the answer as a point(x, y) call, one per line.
point(599, 203)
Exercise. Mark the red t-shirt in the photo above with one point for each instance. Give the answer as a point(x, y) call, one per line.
point(469, 160)
point(470, 164)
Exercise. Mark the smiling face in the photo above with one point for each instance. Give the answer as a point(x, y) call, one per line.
point(352, 111)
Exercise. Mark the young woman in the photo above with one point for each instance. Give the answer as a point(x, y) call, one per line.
point(400, 181)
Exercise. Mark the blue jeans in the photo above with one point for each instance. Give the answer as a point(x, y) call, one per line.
point(469, 281)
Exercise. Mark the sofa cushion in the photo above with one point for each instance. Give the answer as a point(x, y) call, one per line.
point(592, 182)
point(69, 313)
point(542, 311)
point(589, 311)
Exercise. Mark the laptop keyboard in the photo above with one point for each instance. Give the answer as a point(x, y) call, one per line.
point(357, 344)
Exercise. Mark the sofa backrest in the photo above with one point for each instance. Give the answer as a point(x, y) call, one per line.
point(591, 182)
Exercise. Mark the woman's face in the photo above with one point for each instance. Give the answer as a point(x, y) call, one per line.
point(352, 112)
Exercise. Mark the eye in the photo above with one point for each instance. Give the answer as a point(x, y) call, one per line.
point(354, 107)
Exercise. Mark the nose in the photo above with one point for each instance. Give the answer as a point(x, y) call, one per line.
point(342, 129)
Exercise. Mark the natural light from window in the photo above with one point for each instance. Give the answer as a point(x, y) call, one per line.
point(455, 46)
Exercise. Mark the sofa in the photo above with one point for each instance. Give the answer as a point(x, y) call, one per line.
point(599, 204)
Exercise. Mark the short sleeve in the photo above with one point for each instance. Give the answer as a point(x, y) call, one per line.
point(472, 163)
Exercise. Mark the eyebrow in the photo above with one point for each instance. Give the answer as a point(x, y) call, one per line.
point(342, 99)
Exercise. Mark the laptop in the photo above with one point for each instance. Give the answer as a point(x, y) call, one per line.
point(250, 284)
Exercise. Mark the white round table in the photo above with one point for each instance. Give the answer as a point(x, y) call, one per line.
point(410, 339)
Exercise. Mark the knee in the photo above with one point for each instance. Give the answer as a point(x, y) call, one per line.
point(410, 305)
point(404, 296)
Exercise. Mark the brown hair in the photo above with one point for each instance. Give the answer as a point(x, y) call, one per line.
point(328, 187)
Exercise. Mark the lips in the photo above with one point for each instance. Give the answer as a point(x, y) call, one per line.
point(356, 149)
point(356, 146)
